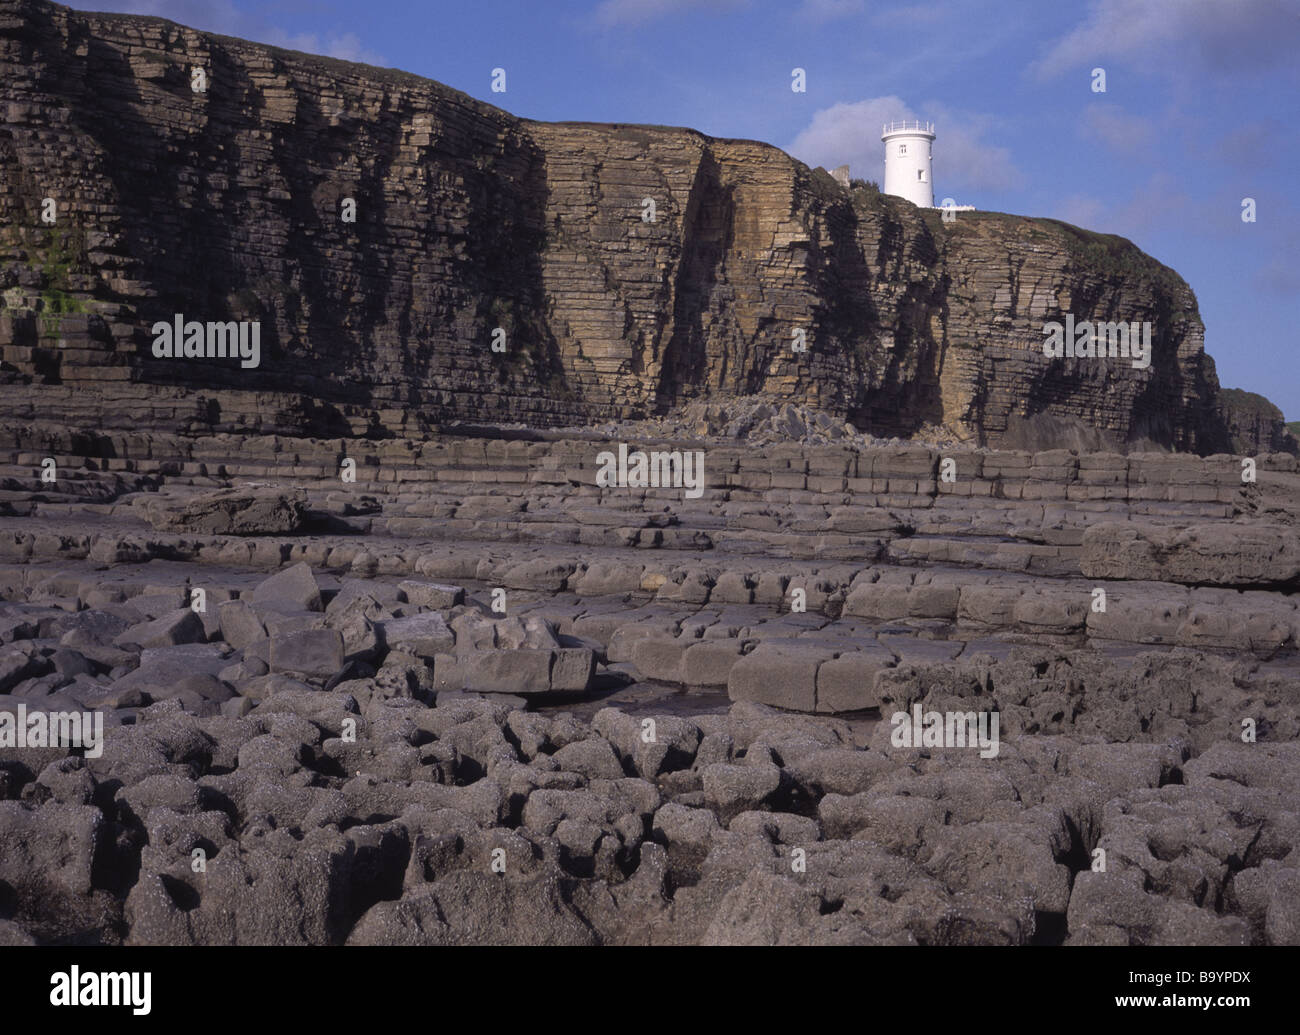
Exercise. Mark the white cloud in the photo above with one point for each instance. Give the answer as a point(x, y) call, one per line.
point(634, 12)
point(1243, 35)
point(850, 133)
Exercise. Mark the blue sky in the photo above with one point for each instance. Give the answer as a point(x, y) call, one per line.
point(1199, 111)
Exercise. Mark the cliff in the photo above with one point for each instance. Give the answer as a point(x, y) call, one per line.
point(1255, 424)
point(226, 205)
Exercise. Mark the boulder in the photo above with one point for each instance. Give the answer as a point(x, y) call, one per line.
point(424, 635)
point(311, 652)
point(176, 627)
point(293, 589)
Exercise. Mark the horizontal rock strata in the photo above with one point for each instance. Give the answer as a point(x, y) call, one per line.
point(227, 204)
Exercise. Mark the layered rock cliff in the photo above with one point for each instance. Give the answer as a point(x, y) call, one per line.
point(1254, 423)
point(228, 204)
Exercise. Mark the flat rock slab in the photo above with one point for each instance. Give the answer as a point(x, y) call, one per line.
point(240, 625)
point(161, 667)
point(180, 626)
point(294, 589)
point(424, 635)
point(848, 683)
point(782, 675)
point(312, 652)
point(573, 669)
point(1216, 555)
point(523, 671)
point(431, 594)
point(231, 512)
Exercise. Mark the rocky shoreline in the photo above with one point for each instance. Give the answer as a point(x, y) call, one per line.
point(457, 693)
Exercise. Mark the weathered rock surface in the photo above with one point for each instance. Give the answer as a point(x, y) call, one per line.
point(231, 512)
point(1254, 424)
point(1217, 555)
point(346, 815)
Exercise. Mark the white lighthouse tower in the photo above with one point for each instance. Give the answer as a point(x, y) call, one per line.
point(907, 161)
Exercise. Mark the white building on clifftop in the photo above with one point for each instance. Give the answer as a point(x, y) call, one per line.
point(908, 161)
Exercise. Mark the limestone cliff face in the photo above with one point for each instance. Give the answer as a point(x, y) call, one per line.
point(226, 205)
point(1254, 424)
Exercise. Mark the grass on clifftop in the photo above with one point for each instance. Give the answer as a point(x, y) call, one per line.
point(1106, 254)
point(1247, 402)
point(1110, 253)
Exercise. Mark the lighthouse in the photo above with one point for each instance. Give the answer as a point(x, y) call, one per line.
point(907, 161)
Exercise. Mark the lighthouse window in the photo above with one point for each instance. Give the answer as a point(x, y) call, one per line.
point(920, 175)
point(902, 149)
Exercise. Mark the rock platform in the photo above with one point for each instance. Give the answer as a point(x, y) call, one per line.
point(456, 691)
